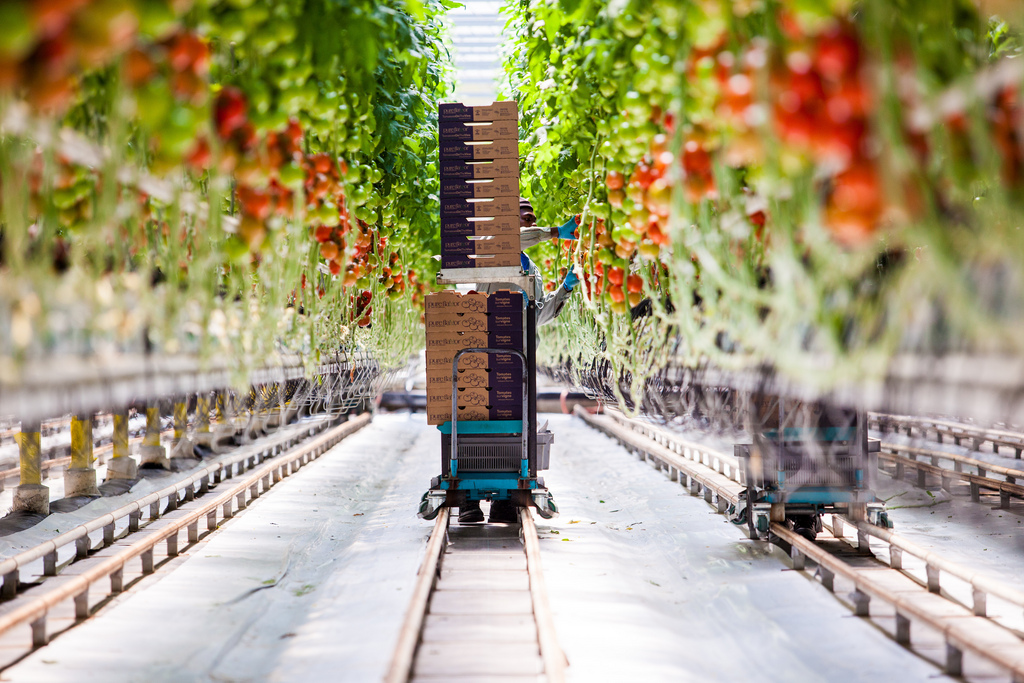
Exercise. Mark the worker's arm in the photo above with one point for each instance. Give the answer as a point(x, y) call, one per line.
point(551, 305)
point(529, 237)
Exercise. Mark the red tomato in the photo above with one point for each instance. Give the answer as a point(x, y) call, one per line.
point(634, 283)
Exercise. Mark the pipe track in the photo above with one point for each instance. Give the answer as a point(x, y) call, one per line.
point(277, 460)
point(964, 629)
point(479, 608)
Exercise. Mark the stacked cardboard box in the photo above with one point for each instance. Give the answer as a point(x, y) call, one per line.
point(490, 386)
point(479, 185)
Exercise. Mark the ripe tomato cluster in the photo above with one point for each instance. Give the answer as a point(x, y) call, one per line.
point(45, 45)
point(820, 107)
point(169, 88)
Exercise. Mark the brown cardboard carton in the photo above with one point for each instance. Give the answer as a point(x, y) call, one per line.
point(479, 244)
point(480, 260)
point(480, 208)
point(490, 149)
point(452, 169)
point(487, 187)
point(504, 110)
point(488, 225)
point(473, 377)
point(452, 301)
point(438, 414)
point(506, 129)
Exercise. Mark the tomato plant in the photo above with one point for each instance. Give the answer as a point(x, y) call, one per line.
point(242, 178)
point(806, 184)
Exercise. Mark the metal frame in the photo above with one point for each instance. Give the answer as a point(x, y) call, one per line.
point(524, 468)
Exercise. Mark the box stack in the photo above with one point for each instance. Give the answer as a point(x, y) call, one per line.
point(490, 386)
point(479, 185)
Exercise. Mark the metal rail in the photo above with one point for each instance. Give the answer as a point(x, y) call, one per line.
point(963, 629)
point(197, 483)
point(957, 431)
point(981, 585)
point(1006, 487)
point(551, 652)
point(34, 608)
point(400, 669)
point(410, 636)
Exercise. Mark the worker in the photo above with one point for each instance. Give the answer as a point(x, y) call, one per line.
point(548, 307)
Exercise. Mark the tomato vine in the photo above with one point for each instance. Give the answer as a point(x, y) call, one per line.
point(816, 184)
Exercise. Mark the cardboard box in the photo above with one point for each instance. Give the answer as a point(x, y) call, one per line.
point(491, 149)
point(480, 260)
point(489, 397)
point(452, 169)
point(449, 112)
point(505, 301)
point(454, 301)
point(481, 378)
point(488, 225)
point(487, 187)
point(464, 322)
point(473, 377)
point(483, 207)
point(506, 129)
point(507, 365)
point(438, 413)
point(486, 244)
point(438, 362)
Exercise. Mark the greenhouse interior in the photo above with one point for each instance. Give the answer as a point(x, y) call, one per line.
point(575, 340)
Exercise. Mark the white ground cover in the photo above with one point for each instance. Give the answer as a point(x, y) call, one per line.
point(311, 584)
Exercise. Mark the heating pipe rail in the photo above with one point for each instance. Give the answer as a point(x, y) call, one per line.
point(77, 587)
point(963, 630)
point(197, 483)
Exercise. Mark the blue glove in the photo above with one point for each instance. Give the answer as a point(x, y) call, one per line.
point(568, 230)
point(570, 280)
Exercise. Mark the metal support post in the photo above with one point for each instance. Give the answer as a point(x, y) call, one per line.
point(203, 435)
point(121, 465)
point(80, 477)
point(152, 453)
point(182, 446)
point(31, 495)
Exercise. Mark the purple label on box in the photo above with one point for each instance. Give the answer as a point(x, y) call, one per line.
point(452, 169)
point(489, 225)
point(463, 188)
point(482, 207)
point(479, 260)
point(493, 149)
point(507, 129)
point(496, 111)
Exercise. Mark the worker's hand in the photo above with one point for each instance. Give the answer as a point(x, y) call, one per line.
point(567, 231)
point(571, 280)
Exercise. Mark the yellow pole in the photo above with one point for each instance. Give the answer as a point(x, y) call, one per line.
point(120, 434)
point(152, 437)
point(203, 413)
point(30, 450)
point(81, 442)
point(121, 465)
point(180, 420)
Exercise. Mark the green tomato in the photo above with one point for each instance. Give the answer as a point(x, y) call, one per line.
point(156, 18)
point(291, 175)
point(17, 36)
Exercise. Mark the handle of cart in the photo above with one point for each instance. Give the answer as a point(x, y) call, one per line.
point(524, 467)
